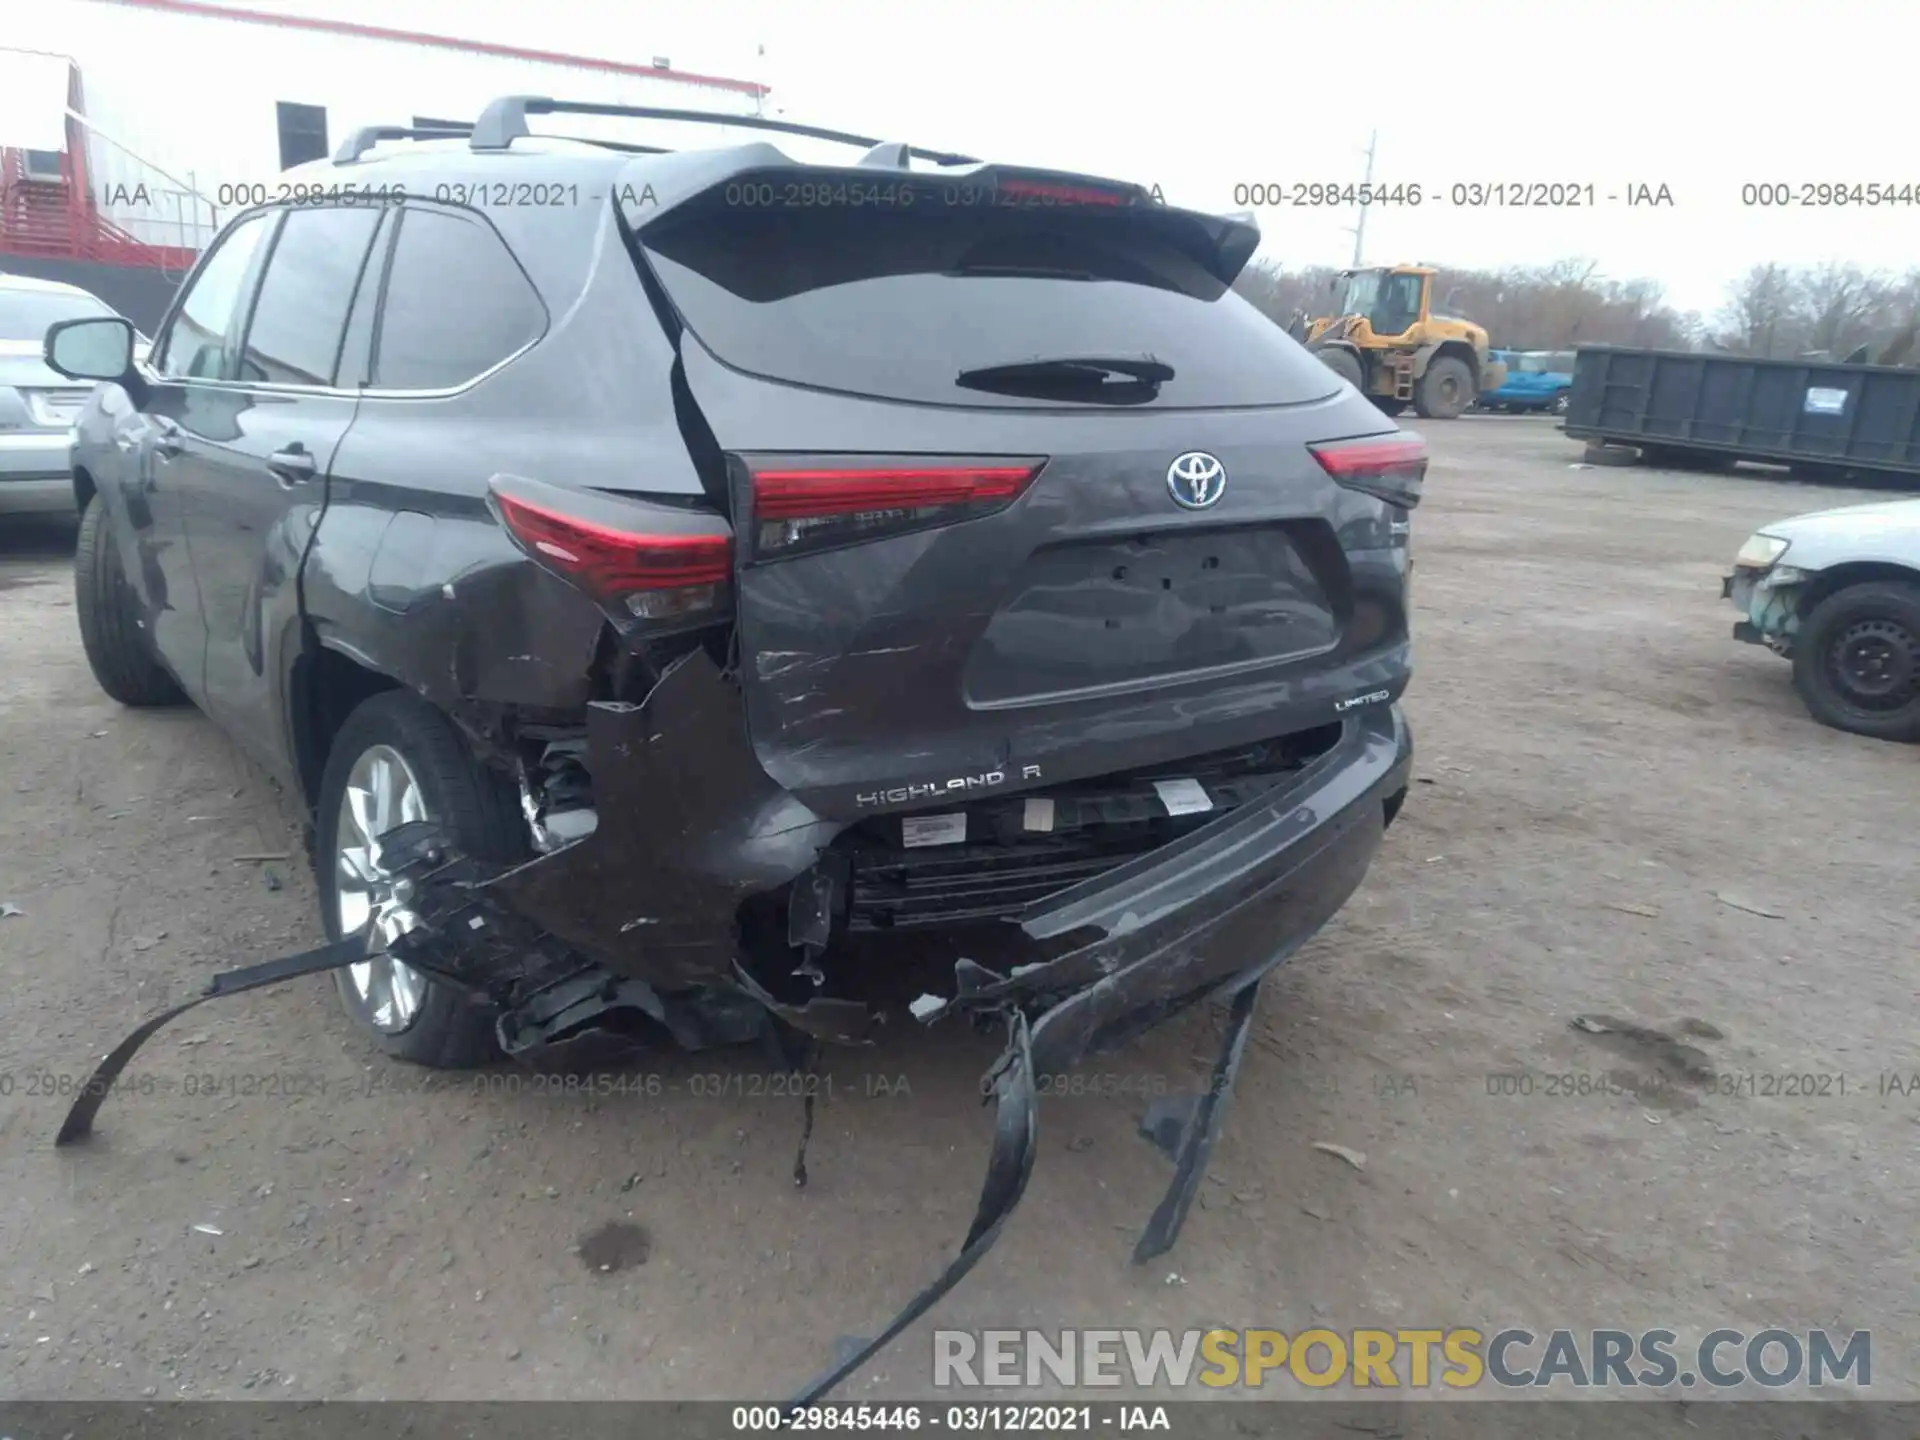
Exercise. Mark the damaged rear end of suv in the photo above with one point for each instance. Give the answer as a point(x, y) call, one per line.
point(874, 591)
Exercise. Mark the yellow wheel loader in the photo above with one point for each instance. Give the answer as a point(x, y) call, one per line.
point(1384, 338)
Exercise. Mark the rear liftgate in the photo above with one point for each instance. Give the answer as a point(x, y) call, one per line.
point(463, 927)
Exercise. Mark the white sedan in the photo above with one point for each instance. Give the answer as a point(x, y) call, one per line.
point(38, 406)
point(1838, 593)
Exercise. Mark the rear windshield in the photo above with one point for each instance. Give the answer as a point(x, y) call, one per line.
point(897, 300)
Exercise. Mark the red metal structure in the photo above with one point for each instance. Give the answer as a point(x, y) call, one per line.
point(61, 219)
point(443, 42)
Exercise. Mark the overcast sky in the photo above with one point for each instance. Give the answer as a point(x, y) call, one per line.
point(1203, 95)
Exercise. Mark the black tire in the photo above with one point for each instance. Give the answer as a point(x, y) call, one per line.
point(477, 809)
point(1445, 390)
point(1342, 363)
point(1612, 456)
point(119, 651)
point(1856, 661)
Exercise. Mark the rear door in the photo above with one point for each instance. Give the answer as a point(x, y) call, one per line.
point(259, 466)
point(1020, 487)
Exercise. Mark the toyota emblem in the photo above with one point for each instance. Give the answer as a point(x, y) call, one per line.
point(1196, 480)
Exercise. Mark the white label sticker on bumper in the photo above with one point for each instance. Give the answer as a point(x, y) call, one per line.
point(916, 830)
point(1183, 797)
point(1039, 814)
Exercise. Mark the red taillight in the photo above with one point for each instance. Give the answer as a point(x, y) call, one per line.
point(1391, 468)
point(806, 508)
point(649, 576)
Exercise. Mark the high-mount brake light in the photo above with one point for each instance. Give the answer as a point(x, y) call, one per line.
point(638, 574)
point(1391, 468)
point(1046, 192)
point(797, 509)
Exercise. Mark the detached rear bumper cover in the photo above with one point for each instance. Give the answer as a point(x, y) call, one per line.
point(690, 825)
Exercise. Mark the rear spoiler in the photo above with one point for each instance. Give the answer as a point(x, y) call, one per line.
point(653, 187)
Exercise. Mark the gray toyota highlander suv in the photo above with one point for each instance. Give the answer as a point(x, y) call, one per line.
point(718, 596)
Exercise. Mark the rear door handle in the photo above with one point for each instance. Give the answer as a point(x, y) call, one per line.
point(292, 465)
point(167, 441)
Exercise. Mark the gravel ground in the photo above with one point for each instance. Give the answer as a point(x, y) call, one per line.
point(1610, 791)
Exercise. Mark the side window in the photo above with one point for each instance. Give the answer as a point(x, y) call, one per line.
point(196, 342)
point(457, 304)
point(301, 313)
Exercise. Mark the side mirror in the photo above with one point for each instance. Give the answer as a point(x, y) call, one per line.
point(96, 348)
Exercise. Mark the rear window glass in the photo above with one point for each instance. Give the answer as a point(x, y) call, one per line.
point(898, 300)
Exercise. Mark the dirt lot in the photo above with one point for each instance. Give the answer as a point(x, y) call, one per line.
point(1601, 770)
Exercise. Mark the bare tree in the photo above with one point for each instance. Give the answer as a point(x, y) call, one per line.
point(1760, 317)
point(1842, 304)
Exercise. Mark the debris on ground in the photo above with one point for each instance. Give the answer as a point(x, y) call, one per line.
point(209, 1230)
point(1627, 909)
point(1747, 905)
point(926, 1005)
point(1357, 1159)
point(262, 858)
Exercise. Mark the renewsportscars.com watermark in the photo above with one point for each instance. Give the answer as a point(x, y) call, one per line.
point(1457, 1358)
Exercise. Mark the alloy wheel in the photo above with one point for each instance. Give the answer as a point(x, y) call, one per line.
point(381, 793)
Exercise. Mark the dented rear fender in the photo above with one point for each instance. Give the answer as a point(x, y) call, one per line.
point(446, 605)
